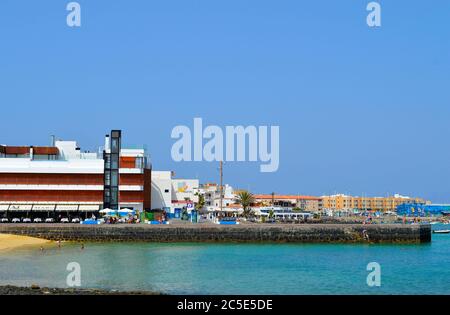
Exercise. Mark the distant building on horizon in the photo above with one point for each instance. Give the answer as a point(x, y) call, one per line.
point(304, 203)
point(343, 202)
point(338, 202)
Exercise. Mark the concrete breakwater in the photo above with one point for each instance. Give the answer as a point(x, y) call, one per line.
point(254, 233)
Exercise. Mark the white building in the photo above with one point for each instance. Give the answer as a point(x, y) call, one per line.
point(212, 195)
point(184, 191)
point(161, 190)
point(169, 193)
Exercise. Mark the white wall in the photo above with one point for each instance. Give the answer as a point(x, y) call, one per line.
point(165, 189)
point(23, 165)
point(67, 149)
point(161, 189)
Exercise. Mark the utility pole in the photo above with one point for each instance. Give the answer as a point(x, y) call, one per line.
point(221, 186)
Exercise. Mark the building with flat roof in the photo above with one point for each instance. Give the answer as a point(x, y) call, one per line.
point(170, 193)
point(304, 203)
point(341, 202)
point(62, 180)
point(212, 194)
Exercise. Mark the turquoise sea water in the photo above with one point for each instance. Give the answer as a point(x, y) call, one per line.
point(238, 268)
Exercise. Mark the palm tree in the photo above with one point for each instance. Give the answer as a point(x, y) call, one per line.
point(201, 202)
point(245, 199)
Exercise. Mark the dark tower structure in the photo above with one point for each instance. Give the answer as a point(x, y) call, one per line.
point(111, 157)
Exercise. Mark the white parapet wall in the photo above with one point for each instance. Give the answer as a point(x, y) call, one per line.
point(73, 166)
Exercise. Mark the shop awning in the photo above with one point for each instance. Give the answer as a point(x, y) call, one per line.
point(89, 208)
point(20, 208)
point(67, 208)
point(43, 207)
point(50, 207)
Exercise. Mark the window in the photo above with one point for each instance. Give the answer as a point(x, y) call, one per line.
point(166, 191)
point(114, 145)
point(139, 162)
point(114, 196)
point(114, 178)
point(114, 161)
point(108, 161)
point(107, 179)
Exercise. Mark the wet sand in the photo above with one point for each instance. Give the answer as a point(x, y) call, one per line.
point(10, 242)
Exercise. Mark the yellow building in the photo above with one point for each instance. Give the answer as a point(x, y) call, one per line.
point(344, 202)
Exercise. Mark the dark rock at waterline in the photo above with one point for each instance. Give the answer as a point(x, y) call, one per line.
point(36, 290)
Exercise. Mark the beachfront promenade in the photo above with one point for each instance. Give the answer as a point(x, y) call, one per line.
point(254, 233)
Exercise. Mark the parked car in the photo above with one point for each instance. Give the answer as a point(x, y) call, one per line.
point(37, 220)
point(15, 220)
point(49, 220)
point(26, 220)
point(4, 220)
point(64, 220)
point(75, 220)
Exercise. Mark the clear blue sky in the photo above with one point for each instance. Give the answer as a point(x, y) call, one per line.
point(360, 110)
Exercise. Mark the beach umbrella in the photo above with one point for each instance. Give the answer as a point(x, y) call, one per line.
point(126, 211)
point(108, 211)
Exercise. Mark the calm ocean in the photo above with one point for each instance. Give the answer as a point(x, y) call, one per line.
point(238, 268)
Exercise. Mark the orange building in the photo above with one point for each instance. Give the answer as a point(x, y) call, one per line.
point(344, 202)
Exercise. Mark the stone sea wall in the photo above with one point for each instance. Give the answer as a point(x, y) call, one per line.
point(254, 233)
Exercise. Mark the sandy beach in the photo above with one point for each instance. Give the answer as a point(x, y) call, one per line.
point(9, 242)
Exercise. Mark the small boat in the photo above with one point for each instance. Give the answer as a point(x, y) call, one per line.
point(442, 232)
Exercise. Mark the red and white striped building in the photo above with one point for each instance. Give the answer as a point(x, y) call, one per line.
point(62, 179)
